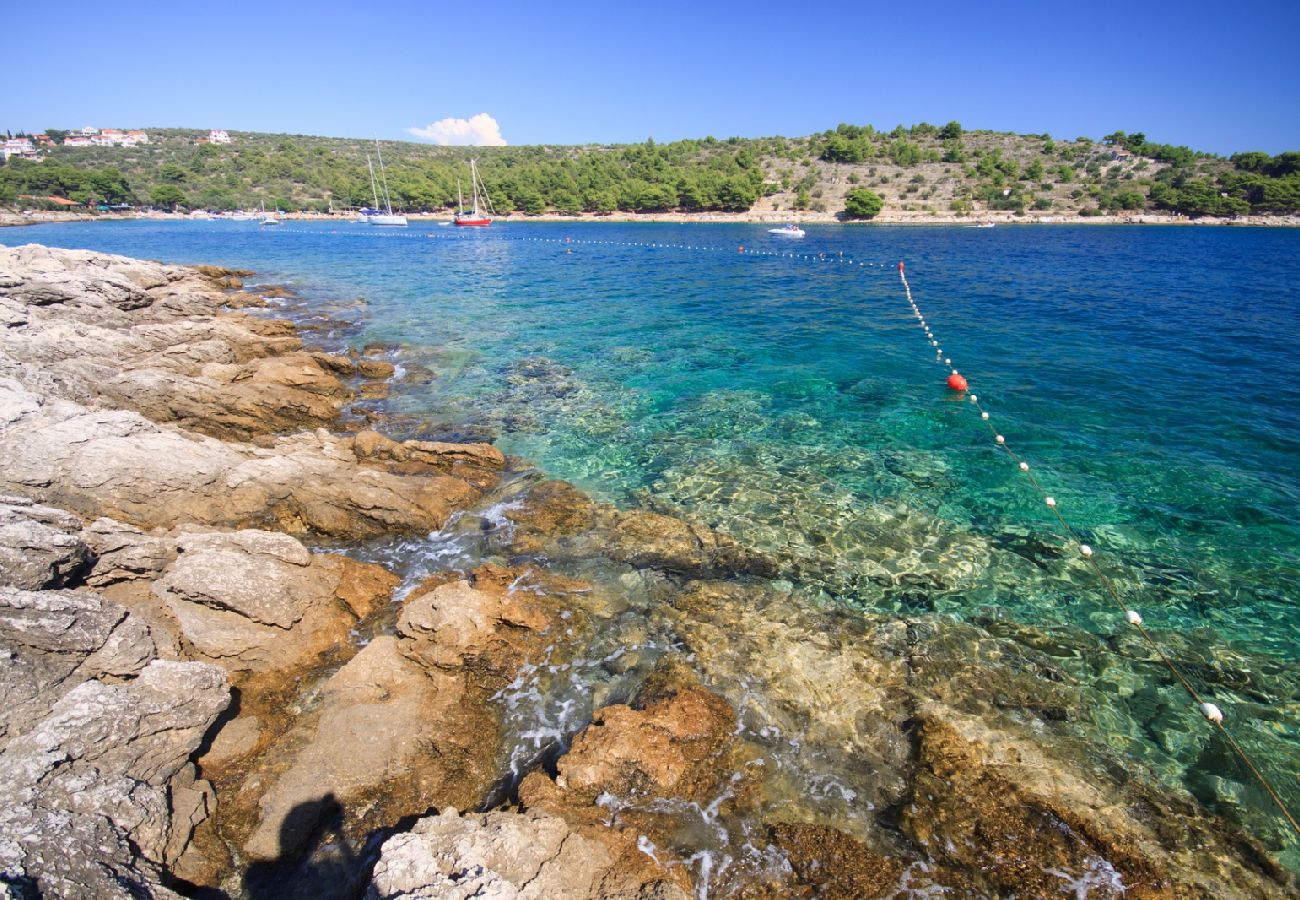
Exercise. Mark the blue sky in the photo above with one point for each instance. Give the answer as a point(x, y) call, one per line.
point(1214, 76)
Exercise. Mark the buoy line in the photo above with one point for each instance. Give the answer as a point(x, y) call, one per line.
point(1208, 710)
point(836, 258)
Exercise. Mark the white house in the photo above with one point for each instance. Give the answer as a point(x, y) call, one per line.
point(216, 136)
point(20, 147)
point(78, 142)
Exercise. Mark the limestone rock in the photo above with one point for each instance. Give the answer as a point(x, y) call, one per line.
point(51, 641)
point(456, 623)
point(503, 854)
point(383, 743)
point(120, 465)
point(89, 797)
point(125, 553)
point(256, 601)
point(39, 546)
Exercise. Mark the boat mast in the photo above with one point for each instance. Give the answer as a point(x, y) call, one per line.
point(373, 191)
point(460, 199)
point(473, 185)
point(388, 203)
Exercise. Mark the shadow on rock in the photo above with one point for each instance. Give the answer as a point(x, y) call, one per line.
point(326, 867)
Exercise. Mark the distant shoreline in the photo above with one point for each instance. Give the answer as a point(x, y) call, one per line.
point(749, 218)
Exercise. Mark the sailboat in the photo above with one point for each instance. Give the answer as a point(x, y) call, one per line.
point(366, 213)
point(476, 216)
point(387, 217)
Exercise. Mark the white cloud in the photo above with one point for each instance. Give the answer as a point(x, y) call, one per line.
point(476, 131)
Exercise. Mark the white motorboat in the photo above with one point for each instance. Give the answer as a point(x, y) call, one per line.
point(790, 231)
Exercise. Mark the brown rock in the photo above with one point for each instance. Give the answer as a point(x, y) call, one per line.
point(834, 865)
point(256, 602)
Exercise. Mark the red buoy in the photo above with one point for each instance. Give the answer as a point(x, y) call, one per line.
point(957, 382)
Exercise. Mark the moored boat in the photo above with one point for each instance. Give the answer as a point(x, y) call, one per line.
point(791, 230)
point(476, 217)
point(387, 217)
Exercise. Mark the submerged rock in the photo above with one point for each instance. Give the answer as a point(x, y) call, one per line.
point(555, 520)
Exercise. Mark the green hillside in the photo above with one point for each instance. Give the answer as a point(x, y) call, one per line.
point(922, 169)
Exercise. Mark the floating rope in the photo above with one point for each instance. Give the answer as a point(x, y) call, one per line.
point(1208, 710)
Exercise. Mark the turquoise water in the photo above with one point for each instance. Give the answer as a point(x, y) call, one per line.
point(1147, 374)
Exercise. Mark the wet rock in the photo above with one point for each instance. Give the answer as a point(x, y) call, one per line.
point(556, 520)
point(405, 725)
point(834, 865)
point(51, 641)
point(256, 601)
point(379, 746)
point(999, 807)
point(505, 854)
point(97, 798)
point(39, 546)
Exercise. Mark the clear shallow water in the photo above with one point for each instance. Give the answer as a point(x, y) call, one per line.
point(1146, 374)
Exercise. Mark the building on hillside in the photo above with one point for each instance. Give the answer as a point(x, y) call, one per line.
point(20, 147)
point(75, 141)
point(43, 140)
point(1121, 153)
point(216, 136)
point(102, 140)
point(88, 131)
point(139, 137)
point(113, 134)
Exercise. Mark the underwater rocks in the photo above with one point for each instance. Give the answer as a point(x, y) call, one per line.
point(557, 521)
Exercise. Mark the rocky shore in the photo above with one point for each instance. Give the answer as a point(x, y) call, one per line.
point(211, 692)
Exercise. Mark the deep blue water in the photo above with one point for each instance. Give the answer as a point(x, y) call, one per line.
point(1147, 374)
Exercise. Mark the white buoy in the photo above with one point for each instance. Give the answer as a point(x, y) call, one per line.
point(1050, 501)
point(1087, 551)
point(1212, 712)
point(1133, 617)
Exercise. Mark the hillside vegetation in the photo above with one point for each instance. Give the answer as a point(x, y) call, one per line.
point(922, 169)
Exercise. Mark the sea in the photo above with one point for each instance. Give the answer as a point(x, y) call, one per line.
point(784, 392)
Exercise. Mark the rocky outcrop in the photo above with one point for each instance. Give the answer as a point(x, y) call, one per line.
point(109, 331)
point(39, 546)
point(100, 796)
point(404, 725)
point(530, 856)
point(52, 641)
point(257, 601)
point(122, 466)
